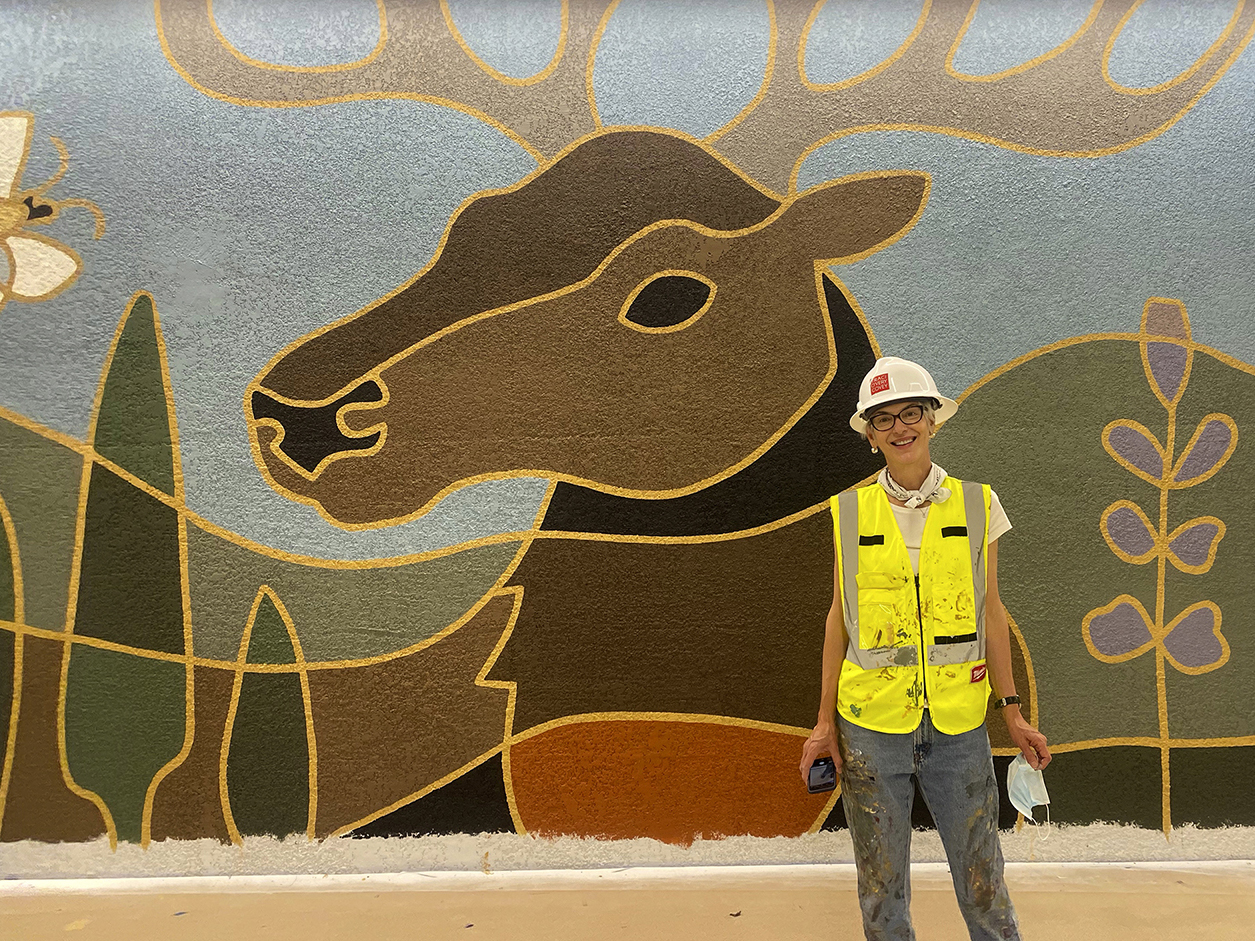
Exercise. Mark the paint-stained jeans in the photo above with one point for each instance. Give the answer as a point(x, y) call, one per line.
point(956, 777)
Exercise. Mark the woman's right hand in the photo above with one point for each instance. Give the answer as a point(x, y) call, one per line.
point(822, 741)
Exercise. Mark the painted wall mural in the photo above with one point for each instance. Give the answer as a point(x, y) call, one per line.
point(438, 436)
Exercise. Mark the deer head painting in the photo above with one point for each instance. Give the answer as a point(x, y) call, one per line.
point(540, 466)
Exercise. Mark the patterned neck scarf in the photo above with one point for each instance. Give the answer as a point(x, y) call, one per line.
point(930, 489)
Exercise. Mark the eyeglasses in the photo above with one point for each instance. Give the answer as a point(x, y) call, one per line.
point(883, 421)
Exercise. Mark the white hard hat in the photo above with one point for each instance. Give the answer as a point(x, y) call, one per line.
point(893, 379)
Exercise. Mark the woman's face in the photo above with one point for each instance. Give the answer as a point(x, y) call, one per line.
point(906, 440)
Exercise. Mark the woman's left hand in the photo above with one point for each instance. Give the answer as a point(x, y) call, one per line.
point(1027, 739)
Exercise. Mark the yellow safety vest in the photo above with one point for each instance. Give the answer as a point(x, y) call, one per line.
point(913, 638)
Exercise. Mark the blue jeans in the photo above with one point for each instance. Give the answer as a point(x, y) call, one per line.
point(956, 777)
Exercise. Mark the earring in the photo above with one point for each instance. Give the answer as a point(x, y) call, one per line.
point(875, 450)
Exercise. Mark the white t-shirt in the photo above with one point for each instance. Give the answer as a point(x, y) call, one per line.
point(911, 523)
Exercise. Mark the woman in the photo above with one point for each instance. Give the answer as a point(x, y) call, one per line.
point(915, 635)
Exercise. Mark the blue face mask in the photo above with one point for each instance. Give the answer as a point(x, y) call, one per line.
point(1026, 787)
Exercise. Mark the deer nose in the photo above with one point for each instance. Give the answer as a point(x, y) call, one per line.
point(308, 431)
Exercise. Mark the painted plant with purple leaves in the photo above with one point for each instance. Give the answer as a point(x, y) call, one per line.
point(1123, 629)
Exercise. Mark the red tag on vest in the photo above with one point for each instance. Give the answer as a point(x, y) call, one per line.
point(880, 383)
point(978, 673)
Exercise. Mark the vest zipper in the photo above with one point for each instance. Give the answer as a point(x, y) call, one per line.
point(923, 644)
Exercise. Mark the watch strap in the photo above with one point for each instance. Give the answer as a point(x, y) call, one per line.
point(1006, 701)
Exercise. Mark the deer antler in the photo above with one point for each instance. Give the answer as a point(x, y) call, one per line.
point(420, 59)
point(1062, 104)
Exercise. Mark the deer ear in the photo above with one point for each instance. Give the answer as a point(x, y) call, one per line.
point(850, 218)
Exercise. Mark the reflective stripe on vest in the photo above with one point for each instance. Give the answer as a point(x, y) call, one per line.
point(942, 625)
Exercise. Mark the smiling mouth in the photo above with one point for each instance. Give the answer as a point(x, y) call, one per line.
point(903, 443)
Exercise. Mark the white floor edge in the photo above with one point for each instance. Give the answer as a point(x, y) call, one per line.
point(638, 877)
point(499, 853)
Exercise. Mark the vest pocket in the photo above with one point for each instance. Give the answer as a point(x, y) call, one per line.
point(879, 596)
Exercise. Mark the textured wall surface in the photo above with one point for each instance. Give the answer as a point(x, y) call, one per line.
point(417, 417)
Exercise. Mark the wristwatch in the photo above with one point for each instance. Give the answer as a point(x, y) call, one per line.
point(1006, 701)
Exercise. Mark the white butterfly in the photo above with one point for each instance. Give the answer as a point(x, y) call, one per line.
point(38, 267)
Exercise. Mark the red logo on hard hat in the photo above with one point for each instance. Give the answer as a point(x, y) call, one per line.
point(978, 673)
point(880, 383)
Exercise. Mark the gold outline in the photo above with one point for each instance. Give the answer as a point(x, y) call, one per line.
point(23, 230)
point(675, 327)
point(76, 566)
point(224, 750)
point(26, 234)
point(866, 73)
point(533, 79)
point(1144, 741)
point(1215, 629)
point(1023, 66)
point(395, 561)
point(593, 718)
point(176, 462)
point(337, 99)
point(244, 542)
point(417, 795)
point(589, 94)
point(1149, 338)
point(20, 167)
point(511, 687)
point(1170, 477)
point(375, 373)
point(1156, 542)
point(768, 71)
point(695, 718)
point(275, 445)
point(1203, 567)
point(543, 165)
point(1023, 148)
point(1057, 345)
point(69, 638)
point(19, 616)
point(1034, 715)
point(1125, 462)
point(753, 103)
point(1153, 636)
point(1176, 79)
point(276, 67)
point(481, 679)
point(246, 667)
point(1164, 741)
point(300, 668)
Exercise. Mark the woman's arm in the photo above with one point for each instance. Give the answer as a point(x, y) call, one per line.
point(823, 740)
point(998, 656)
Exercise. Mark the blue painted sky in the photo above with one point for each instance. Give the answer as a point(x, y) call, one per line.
point(253, 226)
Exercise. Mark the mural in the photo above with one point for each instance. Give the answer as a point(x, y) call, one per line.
point(439, 438)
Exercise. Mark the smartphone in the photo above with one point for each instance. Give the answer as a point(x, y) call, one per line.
point(823, 776)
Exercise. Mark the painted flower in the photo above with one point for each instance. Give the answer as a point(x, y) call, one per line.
point(38, 267)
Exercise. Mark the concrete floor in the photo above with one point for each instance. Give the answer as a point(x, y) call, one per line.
point(1056, 902)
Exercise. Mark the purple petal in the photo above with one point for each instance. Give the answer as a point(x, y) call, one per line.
point(1137, 449)
point(1208, 449)
point(1193, 643)
point(1129, 533)
point(1193, 545)
point(1119, 631)
point(1167, 365)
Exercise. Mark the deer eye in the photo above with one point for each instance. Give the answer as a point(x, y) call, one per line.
point(669, 301)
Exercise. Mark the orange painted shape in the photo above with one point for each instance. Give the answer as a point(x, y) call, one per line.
point(668, 780)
